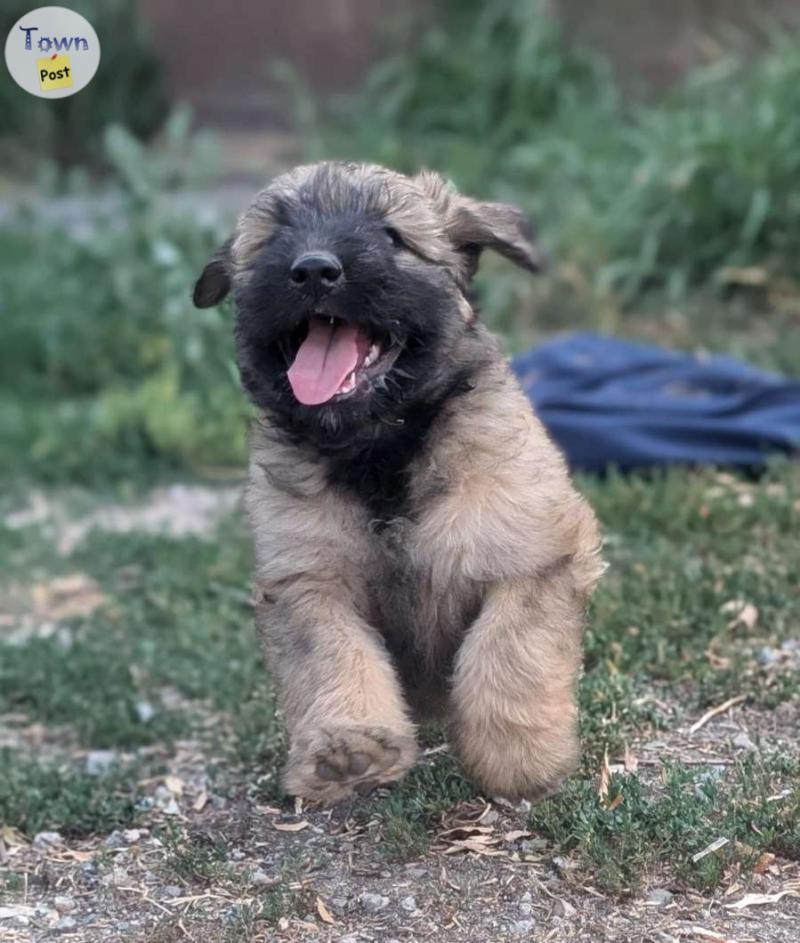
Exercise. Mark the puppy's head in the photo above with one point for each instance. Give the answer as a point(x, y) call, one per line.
point(348, 282)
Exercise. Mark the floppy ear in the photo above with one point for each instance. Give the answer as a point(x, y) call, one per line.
point(215, 279)
point(474, 226)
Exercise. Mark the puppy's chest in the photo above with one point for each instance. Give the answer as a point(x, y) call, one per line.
point(421, 605)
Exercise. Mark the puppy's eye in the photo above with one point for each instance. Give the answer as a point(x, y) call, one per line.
point(394, 237)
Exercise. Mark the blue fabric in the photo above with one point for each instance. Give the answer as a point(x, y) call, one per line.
point(612, 402)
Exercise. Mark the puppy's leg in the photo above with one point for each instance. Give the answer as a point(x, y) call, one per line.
point(513, 696)
point(349, 727)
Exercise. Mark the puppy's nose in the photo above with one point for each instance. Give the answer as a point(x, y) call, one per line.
point(317, 271)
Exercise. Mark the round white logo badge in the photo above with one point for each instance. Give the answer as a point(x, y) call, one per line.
point(52, 52)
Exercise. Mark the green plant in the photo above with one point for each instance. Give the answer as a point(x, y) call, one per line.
point(668, 193)
point(105, 362)
point(635, 828)
point(36, 796)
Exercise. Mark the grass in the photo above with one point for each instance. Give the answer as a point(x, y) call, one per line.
point(175, 631)
point(636, 829)
point(36, 796)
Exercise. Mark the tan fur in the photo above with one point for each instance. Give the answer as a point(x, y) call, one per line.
point(494, 534)
point(508, 522)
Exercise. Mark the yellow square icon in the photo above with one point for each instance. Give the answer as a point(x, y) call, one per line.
point(54, 72)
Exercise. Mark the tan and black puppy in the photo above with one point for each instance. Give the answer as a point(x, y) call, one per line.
point(419, 546)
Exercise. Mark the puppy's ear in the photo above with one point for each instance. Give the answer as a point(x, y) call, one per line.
point(215, 279)
point(474, 226)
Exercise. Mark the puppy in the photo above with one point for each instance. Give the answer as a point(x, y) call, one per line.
point(420, 549)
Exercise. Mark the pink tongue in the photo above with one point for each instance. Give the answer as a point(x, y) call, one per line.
point(324, 360)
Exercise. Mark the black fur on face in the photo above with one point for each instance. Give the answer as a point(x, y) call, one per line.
point(406, 250)
point(409, 309)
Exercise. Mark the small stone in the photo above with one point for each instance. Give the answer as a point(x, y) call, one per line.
point(64, 905)
point(743, 742)
point(409, 904)
point(66, 923)
point(372, 903)
point(100, 761)
point(116, 876)
point(47, 840)
point(339, 905)
point(259, 876)
point(171, 890)
point(563, 908)
point(526, 898)
point(563, 865)
point(165, 801)
point(115, 840)
point(132, 835)
point(145, 711)
point(659, 897)
point(414, 872)
point(519, 927)
point(767, 656)
point(525, 909)
point(89, 872)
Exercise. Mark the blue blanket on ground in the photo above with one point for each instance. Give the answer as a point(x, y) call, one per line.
point(612, 402)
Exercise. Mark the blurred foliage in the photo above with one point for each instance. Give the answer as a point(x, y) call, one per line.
point(665, 193)
point(106, 368)
point(105, 362)
point(128, 87)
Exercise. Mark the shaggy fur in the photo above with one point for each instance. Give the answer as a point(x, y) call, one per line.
point(419, 547)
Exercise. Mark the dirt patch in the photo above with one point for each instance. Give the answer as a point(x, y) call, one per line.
point(222, 864)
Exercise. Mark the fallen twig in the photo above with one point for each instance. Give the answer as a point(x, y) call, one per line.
point(710, 714)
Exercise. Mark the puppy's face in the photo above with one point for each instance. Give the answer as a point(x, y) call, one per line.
point(348, 283)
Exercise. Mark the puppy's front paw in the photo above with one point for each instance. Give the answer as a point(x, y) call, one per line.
point(332, 762)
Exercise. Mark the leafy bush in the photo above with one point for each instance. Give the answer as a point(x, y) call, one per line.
point(105, 362)
point(128, 87)
point(663, 193)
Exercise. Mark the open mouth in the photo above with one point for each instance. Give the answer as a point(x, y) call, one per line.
point(334, 359)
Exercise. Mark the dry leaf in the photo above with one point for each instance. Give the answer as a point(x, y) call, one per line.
point(13, 837)
point(700, 933)
point(744, 613)
point(605, 778)
point(174, 784)
point(764, 861)
point(70, 855)
point(758, 900)
point(291, 826)
point(516, 834)
point(324, 914)
point(630, 762)
point(475, 847)
point(710, 849)
point(67, 597)
point(200, 802)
